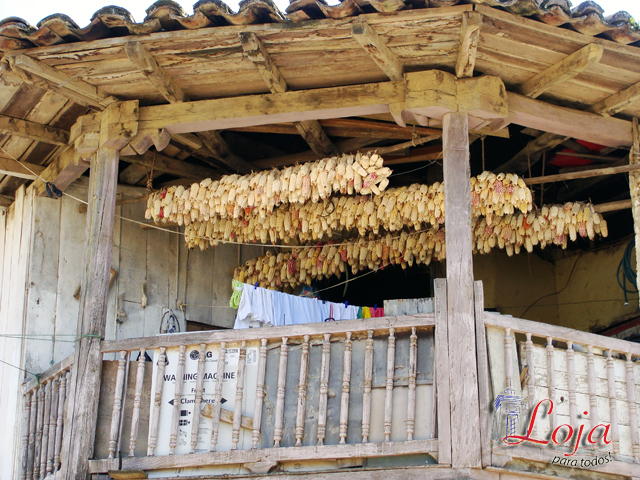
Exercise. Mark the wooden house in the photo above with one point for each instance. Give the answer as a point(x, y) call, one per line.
point(118, 355)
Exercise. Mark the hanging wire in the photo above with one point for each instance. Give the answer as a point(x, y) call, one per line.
point(150, 179)
point(482, 139)
point(626, 267)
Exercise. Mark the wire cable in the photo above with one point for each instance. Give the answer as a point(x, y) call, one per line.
point(625, 266)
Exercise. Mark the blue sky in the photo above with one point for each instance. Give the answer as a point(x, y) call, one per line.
point(81, 10)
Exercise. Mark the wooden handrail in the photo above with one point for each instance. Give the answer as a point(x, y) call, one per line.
point(564, 334)
point(378, 325)
point(62, 365)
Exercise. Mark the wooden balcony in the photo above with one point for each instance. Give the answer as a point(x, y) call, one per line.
point(360, 394)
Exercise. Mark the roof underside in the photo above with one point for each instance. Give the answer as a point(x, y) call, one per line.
point(312, 46)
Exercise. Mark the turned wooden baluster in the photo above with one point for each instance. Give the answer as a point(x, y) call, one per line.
point(302, 391)
point(282, 378)
point(25, 436)
point(613, 404)
point(324, 388)
point(32, 433)
point(366, 397)
point(633, 411)
point(177, 401)
point(531, 376)
point(388, 400)
point(411, 394)
point(593, 395)
point(346, 386)
point(45, 429)
point(257, 409)
point(571, 384)
point(117, 405)
point(237, 410)
point(39, 424)
point(62, 395)
point(551, 380)
point(195, 427)
point(53, 417)
point(217, 399)
point(157, 400)
point(508, 358)
point(137, 401)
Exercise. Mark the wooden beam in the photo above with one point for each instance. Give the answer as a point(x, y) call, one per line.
point(597, 172)
point(6, 200)
point(13, 168)
point(568, 68)
point(75, 89)
point(617, 102)
point(62, 172)
point(469, 36)
point(578, 187)
point(463, 376)
point(634, 188)
point(613, 206)
point(33, 131)
point(310, 130)
point(147, 65)
point(173, 166)
point(368, 39)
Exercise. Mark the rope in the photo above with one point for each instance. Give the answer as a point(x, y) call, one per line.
point(15, 366)
point(482, 139)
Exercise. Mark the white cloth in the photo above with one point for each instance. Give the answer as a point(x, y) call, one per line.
point(255, 308)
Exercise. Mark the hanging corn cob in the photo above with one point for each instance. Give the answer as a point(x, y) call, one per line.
point(233, 195)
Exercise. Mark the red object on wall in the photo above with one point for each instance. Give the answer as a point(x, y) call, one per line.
point(561, 161)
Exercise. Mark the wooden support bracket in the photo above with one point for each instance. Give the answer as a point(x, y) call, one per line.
point(33, 131)
point(469, 37)
point(369, 40)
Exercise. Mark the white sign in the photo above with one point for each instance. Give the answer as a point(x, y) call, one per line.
point(229, 383)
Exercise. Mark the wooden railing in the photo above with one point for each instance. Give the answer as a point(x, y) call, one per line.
point(578, 371)
point(43, 421)
point(305, 392)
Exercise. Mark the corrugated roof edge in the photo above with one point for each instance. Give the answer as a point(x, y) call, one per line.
point(166, 15)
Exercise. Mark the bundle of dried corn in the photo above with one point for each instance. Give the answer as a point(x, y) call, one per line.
point(233, 195)
point(551, 225)
point(304, 265)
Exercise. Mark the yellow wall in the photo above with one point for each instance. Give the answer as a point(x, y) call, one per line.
point(592, 298)
point(511, 284)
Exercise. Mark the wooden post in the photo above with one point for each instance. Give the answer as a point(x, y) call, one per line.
point(237, 411)
point(137, 400)
point(634, 188)
point(302, 391)
point(257, 410)
point(195, 428)
point(484, 378)
point(388, 398)
point(118, 125)
point(441, 373)
point(463, 377)
point(411, 394)
point(366, 396)
point(613, 405)
point(346, 386)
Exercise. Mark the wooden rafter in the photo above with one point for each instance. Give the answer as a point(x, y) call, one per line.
point(310, 130)
point(212, 141)
point(63, 171)
point(562, 71)
point(173, 166)
point(33, 131)
point(368, 39)
point(28, 171)
point(469, 36)
point(618, 102)
point(594, 172)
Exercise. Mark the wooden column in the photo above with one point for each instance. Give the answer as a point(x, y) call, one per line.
point(634, 187)
point(118, 124)
point(463, 377)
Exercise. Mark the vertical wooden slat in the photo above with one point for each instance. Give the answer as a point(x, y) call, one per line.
point(257, 409)
point(137, 400)
point(613, 404)
point(45, 429)
point(195, 427)
point(346, 386)
point(177, 401)
point(634, 188)
point(388, 399)
point(302, 391)
point(593, 395)
point(324, 388)
point(571, 384)
point(484, 388)
point(551, 380)
point(32, 434)
point(39, 424)
point(508, 358)
point(237, 410)
point(62, 395)
point(366, 396)
point(633, 411)
point(25, 436)
point(157, 400)
point(117, 405)
point(282, 378)
point(217, 399)
point(442, 372)
point(411, 394)
point(531, 377)
point(53, 423)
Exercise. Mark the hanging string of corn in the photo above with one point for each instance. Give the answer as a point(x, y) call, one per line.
point(551, 225)
point(234, 196)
